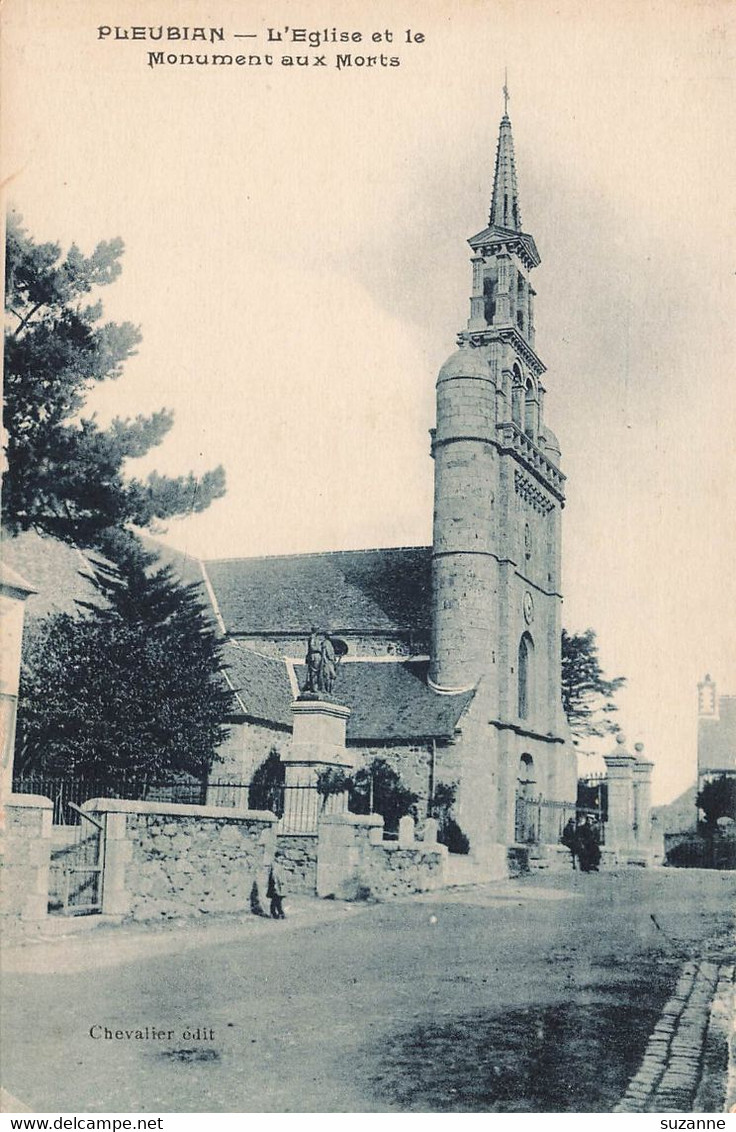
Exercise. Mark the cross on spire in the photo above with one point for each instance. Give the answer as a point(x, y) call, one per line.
point(505, 212)
point(506, 95)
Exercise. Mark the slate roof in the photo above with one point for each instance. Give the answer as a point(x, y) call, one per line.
point(353, 591)
point(262, 683)
point(60, 573)
point(359, 591)
point(717, 738)
point(387, 700)
point(186, 568)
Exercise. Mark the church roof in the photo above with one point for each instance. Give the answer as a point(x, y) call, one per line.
point(391, 700)
point(59, 573)
point(262, 684)
point(388, 700)
point(717, 738)
point(11, 579)
point(359, 591)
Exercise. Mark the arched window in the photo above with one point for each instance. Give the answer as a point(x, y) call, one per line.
point(489, 298)
point(520, 303)
point(517, 398)
point(531, 409)
point(526, 675)
point(526, 774)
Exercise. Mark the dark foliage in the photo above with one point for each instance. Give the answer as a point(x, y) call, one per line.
point(378, 789)
point(331, 781)
point(64, 474)
point(449, 832)
point(135, 687)
point(717, 799)
point(587, 694)
point(266, 791)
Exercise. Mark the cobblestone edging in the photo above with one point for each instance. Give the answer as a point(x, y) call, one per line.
point(730, 1013)
point(683, 1065)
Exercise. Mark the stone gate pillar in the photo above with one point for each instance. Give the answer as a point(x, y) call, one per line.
point(620, 777)
point(318, 743)
point(642, 799)
point(13, 593)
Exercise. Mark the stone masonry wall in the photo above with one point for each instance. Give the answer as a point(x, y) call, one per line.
point(355, 863)
point(247, 746)
point(26, 850)
point(165, 860)
point(391, 871)
point(296, 853)
point(412, 762)
point(250, 744)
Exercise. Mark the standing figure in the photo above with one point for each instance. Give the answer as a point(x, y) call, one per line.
point(328, 665)
point(314, 660)
point(275, 892)
point(569, 838)
point(588, 849)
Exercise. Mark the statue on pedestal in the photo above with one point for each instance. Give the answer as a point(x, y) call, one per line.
point(322, 658)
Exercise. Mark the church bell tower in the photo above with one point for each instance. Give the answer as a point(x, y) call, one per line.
point(499, 490)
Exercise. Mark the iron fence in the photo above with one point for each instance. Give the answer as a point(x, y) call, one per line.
point(69, 791)
point(298, 806)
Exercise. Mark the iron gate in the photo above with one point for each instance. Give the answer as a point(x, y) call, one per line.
point(543, 820)
point(75, 883)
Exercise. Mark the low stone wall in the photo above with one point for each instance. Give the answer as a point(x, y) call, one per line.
point(165, 860)
point(296, 853)
point(355, 863)
point(26, 853)
point(391, 871)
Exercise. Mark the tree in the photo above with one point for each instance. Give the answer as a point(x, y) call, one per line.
point(449, 832)
point(717, 799)
point(378, 789)
point(133, 688)
point(63, 472)
point(587, 694)
point(266, 790)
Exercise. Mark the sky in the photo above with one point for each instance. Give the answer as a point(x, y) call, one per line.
point(296, 258)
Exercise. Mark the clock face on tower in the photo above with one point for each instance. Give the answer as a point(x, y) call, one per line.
point(528, 608)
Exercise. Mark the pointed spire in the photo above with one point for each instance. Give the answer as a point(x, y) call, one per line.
point(505, 211)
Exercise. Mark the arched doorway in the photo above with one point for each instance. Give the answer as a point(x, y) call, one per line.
point(528, 809)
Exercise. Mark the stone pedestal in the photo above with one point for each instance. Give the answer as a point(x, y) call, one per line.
point(620, 824)
point(318, 744)
point(319, 734)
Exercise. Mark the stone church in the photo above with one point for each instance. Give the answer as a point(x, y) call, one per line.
point(452, 669)
point(452, 665)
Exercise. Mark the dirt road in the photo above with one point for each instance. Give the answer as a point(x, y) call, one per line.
point(532, 996)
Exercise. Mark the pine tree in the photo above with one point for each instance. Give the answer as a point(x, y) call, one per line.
point(63, 473)
point(587, 694)
point(135, 687)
